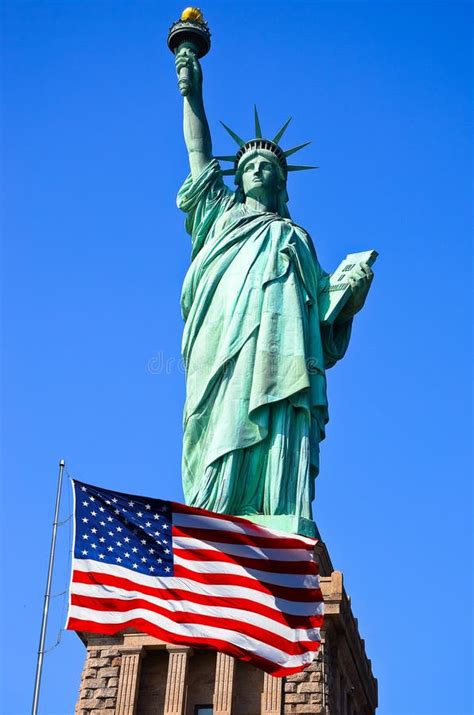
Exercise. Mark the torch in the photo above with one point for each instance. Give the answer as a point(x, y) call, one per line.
point(192, 31)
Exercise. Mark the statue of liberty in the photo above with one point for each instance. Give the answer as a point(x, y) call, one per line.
point(255, 350)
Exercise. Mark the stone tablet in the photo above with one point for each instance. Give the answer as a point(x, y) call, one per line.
point(333, 300)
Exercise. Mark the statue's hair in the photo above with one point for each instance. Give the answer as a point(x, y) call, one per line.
point(282, 199)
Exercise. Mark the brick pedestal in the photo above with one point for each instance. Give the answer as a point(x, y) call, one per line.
point(119, 680)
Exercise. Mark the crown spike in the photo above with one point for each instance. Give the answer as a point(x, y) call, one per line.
point(294, 149)
point(234, 136)
point(228, 172)
point(295, 167)
point(258, 128)
point(226, 158)
point(279, 134)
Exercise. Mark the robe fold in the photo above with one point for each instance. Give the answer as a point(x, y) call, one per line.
point(255, 356)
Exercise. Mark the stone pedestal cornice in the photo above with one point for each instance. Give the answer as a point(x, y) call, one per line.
point(352, 658)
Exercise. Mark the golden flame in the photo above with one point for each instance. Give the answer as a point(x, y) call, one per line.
point(192, 14)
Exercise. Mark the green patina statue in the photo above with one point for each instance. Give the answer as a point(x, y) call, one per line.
point(255, 350)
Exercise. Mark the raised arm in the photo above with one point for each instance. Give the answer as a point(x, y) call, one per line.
point(195, 127)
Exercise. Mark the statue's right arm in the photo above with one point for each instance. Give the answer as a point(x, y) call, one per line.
point(195, 127)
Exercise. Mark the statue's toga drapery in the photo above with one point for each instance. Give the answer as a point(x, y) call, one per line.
point(255, 356)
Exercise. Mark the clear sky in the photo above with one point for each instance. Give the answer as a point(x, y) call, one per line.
point(94, 257)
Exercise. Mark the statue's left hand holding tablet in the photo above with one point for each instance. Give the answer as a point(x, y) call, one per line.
point(360, 281)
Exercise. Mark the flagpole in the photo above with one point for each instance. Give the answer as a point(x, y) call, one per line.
point(47, 595)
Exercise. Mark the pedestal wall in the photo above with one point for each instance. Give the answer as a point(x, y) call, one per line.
point(135, 674)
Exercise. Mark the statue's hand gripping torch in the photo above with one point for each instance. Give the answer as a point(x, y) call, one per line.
point(190, 31)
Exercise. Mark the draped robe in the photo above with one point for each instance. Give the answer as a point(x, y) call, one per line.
point(255, 356)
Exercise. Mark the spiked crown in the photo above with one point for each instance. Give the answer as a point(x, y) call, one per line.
point(259, 142)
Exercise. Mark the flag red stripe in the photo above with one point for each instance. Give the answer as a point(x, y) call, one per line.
point(284, 567)
point(223, 579)
point(290, 619)
point(77, 624)
point(232, 537)
point(261, 634)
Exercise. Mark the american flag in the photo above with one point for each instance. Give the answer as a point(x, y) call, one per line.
point(193, 577)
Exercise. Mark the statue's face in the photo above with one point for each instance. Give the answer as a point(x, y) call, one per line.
point(260, 175)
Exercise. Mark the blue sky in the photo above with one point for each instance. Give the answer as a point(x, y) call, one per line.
point(94, 257)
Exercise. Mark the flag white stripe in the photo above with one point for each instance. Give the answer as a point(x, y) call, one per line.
point(191, 630)
point(288, 580)
point(196, 521)
point(253, 552)
point(296, 608)
point(255, 619)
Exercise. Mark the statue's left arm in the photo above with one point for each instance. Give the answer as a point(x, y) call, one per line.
point(335, 337)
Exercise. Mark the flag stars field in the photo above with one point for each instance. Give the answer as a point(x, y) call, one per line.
point(118, 524)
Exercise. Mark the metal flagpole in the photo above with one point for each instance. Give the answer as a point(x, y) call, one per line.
point(47, 595)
